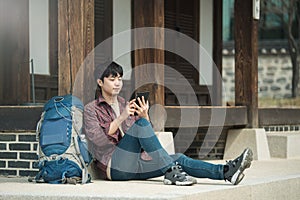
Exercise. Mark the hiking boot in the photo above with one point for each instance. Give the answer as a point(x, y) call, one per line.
point(189, 178)
point(236, 167)
point(176, 176)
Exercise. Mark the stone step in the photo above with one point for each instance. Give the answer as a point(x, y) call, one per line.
point(239, 139)
point(284, 144)
point(274, 179)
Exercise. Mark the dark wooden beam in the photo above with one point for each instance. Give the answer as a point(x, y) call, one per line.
point(75, 39)
point(224, 116)
point(217, 52)
point(19, 118)
point(149, 13)
point(25, 118)
point(279, 116)
point(246, 73)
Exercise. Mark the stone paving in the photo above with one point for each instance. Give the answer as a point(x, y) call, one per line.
point(271, 179)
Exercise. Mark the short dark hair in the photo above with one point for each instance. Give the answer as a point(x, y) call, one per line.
point(105, 70)
point(112, 68)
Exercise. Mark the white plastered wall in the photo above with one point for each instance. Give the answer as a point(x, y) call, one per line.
point(39, 36)
point(122, 22)
point(206, 42)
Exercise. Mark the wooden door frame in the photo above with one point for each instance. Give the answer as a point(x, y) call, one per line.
point(217, 52)
point(196, 30)
point(14, 58)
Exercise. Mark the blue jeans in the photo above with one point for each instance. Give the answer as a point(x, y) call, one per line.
point(126, 163)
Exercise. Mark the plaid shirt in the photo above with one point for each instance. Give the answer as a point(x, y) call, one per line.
point(97, 118)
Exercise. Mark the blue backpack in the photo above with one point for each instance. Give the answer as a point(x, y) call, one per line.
point(62, 148)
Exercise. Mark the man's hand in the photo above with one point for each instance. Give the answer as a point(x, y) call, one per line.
point(116, 123)
point(129, 109)
point(142, 108)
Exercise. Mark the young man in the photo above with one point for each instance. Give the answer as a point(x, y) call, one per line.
point(126, 148)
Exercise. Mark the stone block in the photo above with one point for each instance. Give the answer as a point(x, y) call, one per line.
point(239, 139)
point(167, 141)
point(284, 144)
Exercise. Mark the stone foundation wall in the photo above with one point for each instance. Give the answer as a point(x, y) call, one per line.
point(207, 144)
point(274, 76)
point(18, 151)
point(18, 154)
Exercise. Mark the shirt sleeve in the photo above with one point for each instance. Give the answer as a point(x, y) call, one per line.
point(92, 129)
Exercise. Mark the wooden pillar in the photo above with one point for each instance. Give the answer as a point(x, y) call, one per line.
point(246, 53)
point(217, 52)
point(75, 39)
point(149, 13)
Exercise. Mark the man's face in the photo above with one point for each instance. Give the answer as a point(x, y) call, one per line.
point(111, 85)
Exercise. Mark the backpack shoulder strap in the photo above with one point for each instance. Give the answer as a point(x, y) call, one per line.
point(85, 175)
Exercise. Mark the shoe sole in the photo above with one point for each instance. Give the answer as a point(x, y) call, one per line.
point(246, 163)
point(193, 180)
point(178, 183)
point(186, 183)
